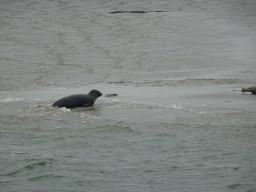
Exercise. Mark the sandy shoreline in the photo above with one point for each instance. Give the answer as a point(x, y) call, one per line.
point(212, 96)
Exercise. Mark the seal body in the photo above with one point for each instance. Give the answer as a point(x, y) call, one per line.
point(250, 89)
point(78, 100)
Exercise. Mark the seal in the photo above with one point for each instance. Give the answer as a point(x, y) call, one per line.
point(78, 100)
point(249, 89)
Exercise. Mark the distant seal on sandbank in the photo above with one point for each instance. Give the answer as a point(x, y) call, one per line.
point(250, 89)
point(78, 100)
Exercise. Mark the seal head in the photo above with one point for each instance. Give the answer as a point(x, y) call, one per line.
point(78, 100)
point(95, 93)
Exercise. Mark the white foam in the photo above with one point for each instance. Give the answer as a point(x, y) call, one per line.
point(10, 99)
point(64, 109)
point(113, 103)
point(91, 117)
point(176, 106)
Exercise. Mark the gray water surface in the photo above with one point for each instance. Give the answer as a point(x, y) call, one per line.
point(179, 121)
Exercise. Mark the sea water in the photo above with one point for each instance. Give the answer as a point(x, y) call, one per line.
point(179, 121)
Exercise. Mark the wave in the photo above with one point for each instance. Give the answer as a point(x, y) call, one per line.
point(113, 103)
point(10, 99)
point(27, 167)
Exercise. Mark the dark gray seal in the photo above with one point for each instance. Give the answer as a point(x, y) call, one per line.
point(250, 89)
point(78, 100)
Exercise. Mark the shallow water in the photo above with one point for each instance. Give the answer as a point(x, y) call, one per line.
point(62, 149)
point(179, 121)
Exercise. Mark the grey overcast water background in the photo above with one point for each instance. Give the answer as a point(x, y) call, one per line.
point(180, 121)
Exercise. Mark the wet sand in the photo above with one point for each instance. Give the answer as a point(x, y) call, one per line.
point(211, 101)
point(62, 44)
